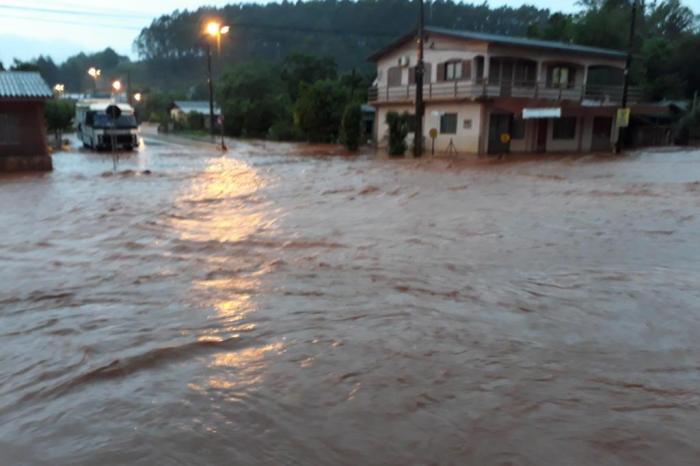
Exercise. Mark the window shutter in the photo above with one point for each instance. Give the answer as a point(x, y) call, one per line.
point(440, 72)
point(466, 70)
point(412, 75)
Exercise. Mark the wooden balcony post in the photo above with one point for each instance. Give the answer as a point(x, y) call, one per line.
point(430, 90)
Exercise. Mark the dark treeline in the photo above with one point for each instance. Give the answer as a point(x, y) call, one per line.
point(349, 31)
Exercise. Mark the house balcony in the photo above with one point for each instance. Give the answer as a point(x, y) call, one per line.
point(473, 90)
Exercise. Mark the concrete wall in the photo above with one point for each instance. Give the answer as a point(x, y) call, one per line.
point(465, 141)
point(28, 119)
point(438, 50)
point(441, 49)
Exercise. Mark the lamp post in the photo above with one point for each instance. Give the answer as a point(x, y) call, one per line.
point(418, 129)
point(622, 131)
point(214, 30)
point(95, 74)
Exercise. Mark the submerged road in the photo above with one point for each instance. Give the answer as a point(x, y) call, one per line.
point(267, 307)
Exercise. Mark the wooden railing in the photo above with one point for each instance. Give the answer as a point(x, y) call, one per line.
point(519, 89)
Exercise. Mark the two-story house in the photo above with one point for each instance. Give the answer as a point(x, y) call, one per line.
point(488, 93)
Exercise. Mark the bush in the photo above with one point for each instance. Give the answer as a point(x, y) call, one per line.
point(59, 117)
point(318, 110)
point(398, 130)
point(195, 121)
point(283, 130)
point(351, 127)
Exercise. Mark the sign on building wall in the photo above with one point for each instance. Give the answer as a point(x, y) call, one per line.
point(531, 113)
point(623, 117)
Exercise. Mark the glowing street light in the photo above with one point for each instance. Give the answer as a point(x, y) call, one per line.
point(59, 88)
point(117, 86)
point(95, 74)
point(138, 97)
point(215, 30)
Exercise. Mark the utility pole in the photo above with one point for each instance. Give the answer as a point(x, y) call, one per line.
point(210, 82)
point(621, 133)
point(418, 135)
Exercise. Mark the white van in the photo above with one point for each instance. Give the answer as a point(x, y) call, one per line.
point(100, 129)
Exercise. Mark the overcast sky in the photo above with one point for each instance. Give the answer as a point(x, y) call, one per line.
point(62, 28)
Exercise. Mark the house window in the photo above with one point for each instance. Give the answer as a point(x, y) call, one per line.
point(517, 130)
point(394, 76)
point(453, 71)
point(562, 76)
point(467, 124)
point(448, 123)
point(9, 129)
point(564, 128)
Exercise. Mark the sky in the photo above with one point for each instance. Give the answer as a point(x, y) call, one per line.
point(61, 28)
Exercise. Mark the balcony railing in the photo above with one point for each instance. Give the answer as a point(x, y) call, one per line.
point(451, 90)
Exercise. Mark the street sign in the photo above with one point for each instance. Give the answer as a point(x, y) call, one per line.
point(623, 117)
point(433, 133)
point(113, 111)
point(505, 138)
point(531, 113)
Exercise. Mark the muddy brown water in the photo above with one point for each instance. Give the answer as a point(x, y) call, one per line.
point(267, 308)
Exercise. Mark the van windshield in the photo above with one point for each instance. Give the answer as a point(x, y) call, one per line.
point(102, 120)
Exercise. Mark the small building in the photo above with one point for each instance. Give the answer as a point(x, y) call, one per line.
point(23, 143)
point(181, 109)
point(494, 94)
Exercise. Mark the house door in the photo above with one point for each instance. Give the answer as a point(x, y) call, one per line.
point(499, 133)
point(602, 132)
point(541, 142)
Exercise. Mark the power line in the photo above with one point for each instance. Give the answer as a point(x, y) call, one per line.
point(74, 23)
point(72, 12)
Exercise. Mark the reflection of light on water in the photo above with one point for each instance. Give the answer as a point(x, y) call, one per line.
point(222, 203)
point(218, 213)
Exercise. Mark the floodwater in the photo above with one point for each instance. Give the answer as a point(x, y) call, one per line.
point(266, 307)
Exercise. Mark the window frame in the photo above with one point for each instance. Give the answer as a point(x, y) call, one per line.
point(456, 67)
point(557, 75)
point(453, 123)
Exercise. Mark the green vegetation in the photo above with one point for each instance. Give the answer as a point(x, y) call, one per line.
point(398, 130)
point(59, 117)
point(351, 127)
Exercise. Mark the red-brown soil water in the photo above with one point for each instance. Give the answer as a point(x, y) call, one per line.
point(267, 308)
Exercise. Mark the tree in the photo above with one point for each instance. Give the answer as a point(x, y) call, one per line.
point(351, 126)
point(252, 98)
point(318, 110)
point(299, 68)
point(2, 67)
point(398, 130)
point(19, 65)
point(59, 117)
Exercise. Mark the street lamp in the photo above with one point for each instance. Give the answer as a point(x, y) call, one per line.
point(59, 88)
point(95, 74)
point(214, 30)
point(138, 97)
point(117, 86)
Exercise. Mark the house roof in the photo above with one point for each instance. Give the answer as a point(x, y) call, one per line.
point(23, 85)
point(506, 40)
point(199, 106)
